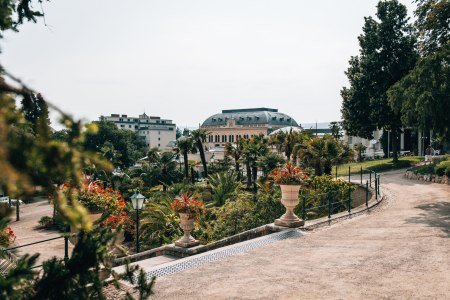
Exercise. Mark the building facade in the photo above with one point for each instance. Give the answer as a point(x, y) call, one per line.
point(156, 132)
point(232, 124)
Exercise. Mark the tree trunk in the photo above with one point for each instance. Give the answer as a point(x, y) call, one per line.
point(186, 165)
point(202, 157)
point(255, 176)
point(249, 175)
point(394, 146)
point(236, 166)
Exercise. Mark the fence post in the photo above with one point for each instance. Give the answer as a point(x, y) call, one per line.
point(66, 244)
point(376, 188)
point(361, 176)
point(329, 205)
point(349, 174)
point(17, 210)
point(304, 208)
point(370, 178)
point(66, 248)
point(367, 194)
point(349, 199)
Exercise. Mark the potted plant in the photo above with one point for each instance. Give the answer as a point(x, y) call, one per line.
point(189, 209)
point(290, 178)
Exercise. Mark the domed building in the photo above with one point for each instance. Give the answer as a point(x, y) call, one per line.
point(232, 124)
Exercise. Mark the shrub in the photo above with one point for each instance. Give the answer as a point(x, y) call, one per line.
point(7, 237)
point(443, 168)
point(46, 222)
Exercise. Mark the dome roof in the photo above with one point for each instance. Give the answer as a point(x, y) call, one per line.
point(287, 129)
point(251, 116)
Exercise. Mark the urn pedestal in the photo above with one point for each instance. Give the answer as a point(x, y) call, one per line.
point(289, 198)
point(187, 224)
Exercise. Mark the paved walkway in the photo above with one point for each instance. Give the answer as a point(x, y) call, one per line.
point(27, 231)
point(400, 250)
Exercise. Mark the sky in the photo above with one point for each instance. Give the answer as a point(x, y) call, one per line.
point(188, 59)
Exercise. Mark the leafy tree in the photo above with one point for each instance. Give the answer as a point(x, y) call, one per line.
point(387, 53)
point(336, 130)
point(129, 147)
point(29, 156)
point(421, 97)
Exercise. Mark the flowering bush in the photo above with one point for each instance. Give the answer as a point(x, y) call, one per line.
point(7, 237)
point(289, 174)
point(122, 219)
point(186, 204)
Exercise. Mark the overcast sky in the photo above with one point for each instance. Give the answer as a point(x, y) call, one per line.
point(188, 59)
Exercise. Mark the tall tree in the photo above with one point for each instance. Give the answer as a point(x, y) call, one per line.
point(184, 146)
point(199, 137)
point(387, 53)
point(235, 151)
point(422, 96)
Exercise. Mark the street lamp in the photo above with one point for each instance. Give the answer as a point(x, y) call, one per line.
point(137, 201)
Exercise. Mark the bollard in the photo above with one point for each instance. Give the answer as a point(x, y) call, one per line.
point(367, 194)
point(370, 178)
point(378, 184)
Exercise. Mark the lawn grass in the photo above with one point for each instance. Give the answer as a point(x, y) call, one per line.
point(379, 165)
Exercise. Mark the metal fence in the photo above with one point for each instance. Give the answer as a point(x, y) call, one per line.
point(315, 206)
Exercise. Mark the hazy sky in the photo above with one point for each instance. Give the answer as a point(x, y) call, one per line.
point(188, 59)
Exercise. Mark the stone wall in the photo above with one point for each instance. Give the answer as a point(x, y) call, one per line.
point(427, 177)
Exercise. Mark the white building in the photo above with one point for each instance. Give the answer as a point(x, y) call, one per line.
point(155, 131)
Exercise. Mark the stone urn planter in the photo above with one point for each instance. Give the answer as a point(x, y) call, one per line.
point(187, 224)
point(289, 198)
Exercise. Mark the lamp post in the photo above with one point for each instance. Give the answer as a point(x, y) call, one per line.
point(137, 201)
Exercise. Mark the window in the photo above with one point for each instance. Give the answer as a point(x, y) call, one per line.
point(217, 139)
point(159, 139)
point(231, 138)
point(129, 126)
point(159, 145)
point(159, 132)
point(224, 138)
point(210, 138)
point(122, 126)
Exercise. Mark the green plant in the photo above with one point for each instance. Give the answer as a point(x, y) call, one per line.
point(443, 168)
point(46, 222)
point(289, 174)
point(223, 185)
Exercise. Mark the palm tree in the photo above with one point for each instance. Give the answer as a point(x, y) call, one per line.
point(199, 137)
point(235, 151)
point(223, 185)
point(184, 146)
point(153, 155)
point(253, 149)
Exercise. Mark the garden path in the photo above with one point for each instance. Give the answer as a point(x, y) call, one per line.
point(27, 231)
point(400, 250)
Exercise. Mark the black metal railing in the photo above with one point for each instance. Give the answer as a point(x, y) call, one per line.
point(66, 246)
point(313, 206)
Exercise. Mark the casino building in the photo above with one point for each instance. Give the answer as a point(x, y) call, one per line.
point(232, 124)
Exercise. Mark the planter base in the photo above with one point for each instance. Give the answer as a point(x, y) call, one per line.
point(289, 223)
point(187, 244)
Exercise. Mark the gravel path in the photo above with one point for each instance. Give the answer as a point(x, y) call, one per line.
point(401, 250)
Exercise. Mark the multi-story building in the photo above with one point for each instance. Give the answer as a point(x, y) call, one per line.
point(232, 124)
point(155, 131)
